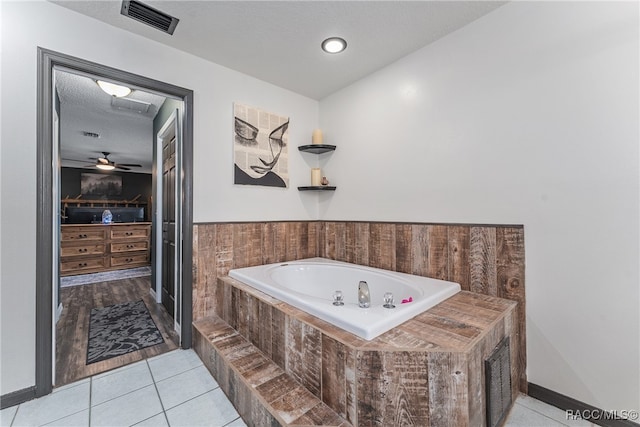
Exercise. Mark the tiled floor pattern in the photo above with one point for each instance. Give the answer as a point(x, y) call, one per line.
point(175, 389)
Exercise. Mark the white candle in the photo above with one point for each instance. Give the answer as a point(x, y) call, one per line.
point(316, 137)
point(316, 177)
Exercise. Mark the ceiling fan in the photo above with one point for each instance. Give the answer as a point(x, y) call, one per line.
point(105, 164)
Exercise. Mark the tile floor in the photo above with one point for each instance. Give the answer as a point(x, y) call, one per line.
point(175, 389)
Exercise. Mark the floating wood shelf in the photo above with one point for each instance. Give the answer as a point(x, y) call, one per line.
point(317, 188)
point(317, 148)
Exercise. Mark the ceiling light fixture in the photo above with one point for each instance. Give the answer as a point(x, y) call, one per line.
point(334, 45)
point(105, 166)
point(114, 89)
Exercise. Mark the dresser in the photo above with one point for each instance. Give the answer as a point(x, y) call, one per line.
point(93, 248)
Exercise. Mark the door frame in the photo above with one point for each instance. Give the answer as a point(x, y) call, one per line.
point(47, 60)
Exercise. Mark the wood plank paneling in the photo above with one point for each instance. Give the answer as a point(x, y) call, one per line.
point(350, 243)
point(350, 366)
point(438, 249)
point(313, 245)
point(458, 247)
point(382, 246)
point(361, 247)
point(330, 240)
point(341, 241)
point(303, 354)
point(392, 388)
point(448, 393)
point(278, 337)
point(223, 260)
point(199, 309)
point(334, 391)
point(247, 245)
point(265, 334)
point(274, 244)
point(510, 277)
point(204, 298)
point(420, 250)
point(403, 248)
point(296, 239)
point(482, 265)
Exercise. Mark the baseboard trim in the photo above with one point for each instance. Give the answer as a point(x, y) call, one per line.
point(586, 412)
point(17, 397)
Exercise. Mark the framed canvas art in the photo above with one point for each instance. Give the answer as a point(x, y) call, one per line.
point(260, 147)
point(100, 185)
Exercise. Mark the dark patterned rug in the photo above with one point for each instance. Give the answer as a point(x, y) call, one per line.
point(120, 329)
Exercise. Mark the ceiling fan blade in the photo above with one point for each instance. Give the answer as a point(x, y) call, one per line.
point(131, 165)
point(73, 160)
point(121, 167)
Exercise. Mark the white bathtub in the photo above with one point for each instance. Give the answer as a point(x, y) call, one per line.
point(309, 285)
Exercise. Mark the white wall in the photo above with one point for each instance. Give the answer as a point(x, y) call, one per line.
point(26, 25)
point(529, 116)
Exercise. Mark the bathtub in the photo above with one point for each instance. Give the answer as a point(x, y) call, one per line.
point(309, 285)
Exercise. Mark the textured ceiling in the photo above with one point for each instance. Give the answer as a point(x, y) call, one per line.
point(84, 107)
point(279, 41)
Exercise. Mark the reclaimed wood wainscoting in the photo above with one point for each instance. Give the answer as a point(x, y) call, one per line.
point(484, 259)
point(426, 372)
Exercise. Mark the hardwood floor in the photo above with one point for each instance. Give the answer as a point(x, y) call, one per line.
point(72, 330)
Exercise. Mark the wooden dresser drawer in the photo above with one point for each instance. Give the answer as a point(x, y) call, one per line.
point(82, 265)
point(78, 234)
point(82, 250)
point(129, 246)
point(130, 259)
point(130, 232)
point(92, 248)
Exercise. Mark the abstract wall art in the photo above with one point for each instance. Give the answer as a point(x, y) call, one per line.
point(260, 147)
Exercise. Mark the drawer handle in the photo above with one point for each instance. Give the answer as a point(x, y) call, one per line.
point(82, 264)
point(129, 259)
point(82, 250)
point(82, 236)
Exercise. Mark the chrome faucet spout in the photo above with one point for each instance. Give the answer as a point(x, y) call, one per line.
point(364, 298)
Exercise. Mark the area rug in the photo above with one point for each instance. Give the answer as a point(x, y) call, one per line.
point(107, 276)
point(120, 329)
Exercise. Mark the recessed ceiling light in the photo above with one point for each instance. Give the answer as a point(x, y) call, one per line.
point(334, 45)
point(114, 89)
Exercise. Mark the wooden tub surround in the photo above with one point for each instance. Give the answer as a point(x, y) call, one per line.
point(483, 259)
point(282, 366)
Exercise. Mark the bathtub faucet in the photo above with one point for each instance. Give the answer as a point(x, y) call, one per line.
point(364, 299)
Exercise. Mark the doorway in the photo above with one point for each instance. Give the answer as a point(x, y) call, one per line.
point(46, 261)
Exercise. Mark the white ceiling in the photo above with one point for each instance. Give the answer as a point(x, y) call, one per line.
point(279, 41)
point(275, 41)
point(126, 134)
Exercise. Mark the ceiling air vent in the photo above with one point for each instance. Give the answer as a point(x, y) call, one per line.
point(148, 15)
point(90, 134)
point(130, 105)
